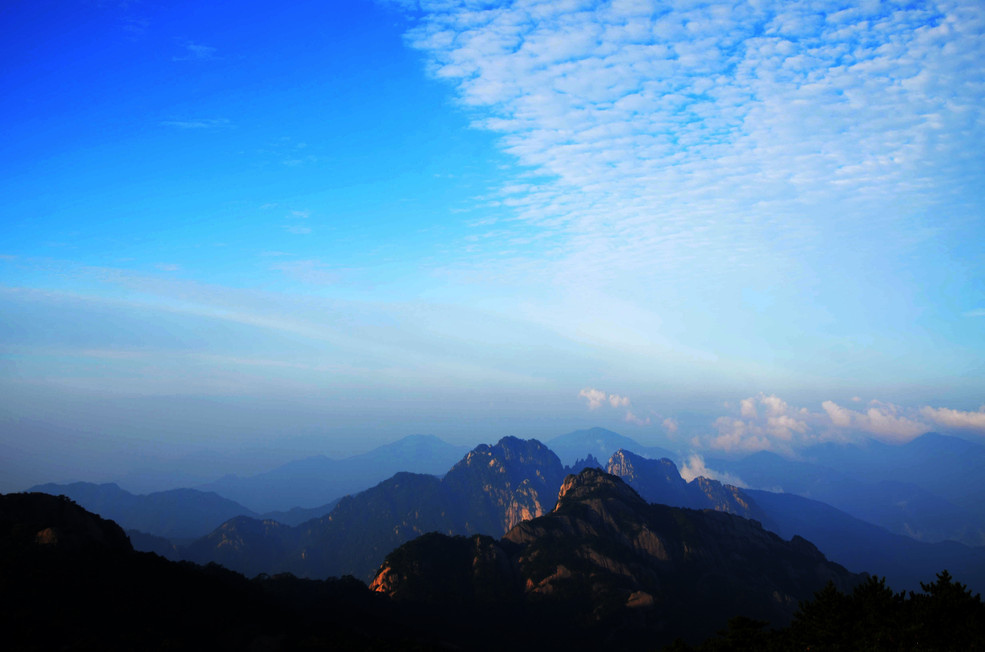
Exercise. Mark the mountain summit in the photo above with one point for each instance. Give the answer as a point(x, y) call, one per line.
point(606, 556)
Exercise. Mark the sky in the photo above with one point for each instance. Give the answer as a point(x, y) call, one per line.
point(233, 235)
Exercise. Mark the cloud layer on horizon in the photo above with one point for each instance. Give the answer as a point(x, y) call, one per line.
point(768, 423)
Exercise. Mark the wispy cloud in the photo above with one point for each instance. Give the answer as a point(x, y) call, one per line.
point(656, 134)
point(204, 123)
point(195, 52)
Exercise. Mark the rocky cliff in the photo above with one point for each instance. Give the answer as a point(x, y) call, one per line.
point(604, 555)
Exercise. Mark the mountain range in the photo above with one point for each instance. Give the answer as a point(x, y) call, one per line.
point(495, 487)
point(490, 490)
point(630, 572)
point(631, 554)
point(856, 544)
point(930, 489)
point(519, 480)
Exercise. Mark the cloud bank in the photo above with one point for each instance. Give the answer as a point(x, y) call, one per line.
point(768, 423)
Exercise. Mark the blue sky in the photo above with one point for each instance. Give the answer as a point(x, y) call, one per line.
point(316, 227)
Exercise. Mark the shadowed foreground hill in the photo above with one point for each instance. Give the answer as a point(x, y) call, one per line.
point(633, 571)
point(70, 580)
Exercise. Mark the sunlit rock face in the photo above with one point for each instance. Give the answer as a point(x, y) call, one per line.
point(502, 485)
point(604, 550)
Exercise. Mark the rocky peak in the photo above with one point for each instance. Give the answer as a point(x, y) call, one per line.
point(503, 484)
point(658, 481)
point(592, 485)
point(588, 462)
point(605, 555)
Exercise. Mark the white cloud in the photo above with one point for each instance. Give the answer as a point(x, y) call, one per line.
point(618, 401)
point(956, 418)
point(766, 422)
point(595, 397)
point(656, 133)
point(297, 229)
point(884, 420)
point(783, 428)
point(670, 425)
point(694, 467)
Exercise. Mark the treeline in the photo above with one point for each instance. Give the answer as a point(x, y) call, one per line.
point(945, 616)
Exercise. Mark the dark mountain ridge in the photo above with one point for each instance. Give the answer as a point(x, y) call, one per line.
point(632, 571)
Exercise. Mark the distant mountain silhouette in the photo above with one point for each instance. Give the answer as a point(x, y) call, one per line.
point(601, 444)
point(318, 480)
point(488, 491)
point(176, 514)
point(858, 545)
point(931, 488)
point(627, 572)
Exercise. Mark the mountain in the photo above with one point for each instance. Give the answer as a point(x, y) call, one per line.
point(71, 581)
point(601, 444)
point(858, 545)
point(945, 466)
point(43, 522)
point(490, 490)
point(930, 489)
point(298, 515)
point(659, 481)
point(618, 570)
point(318, 480)
point(177, 514)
